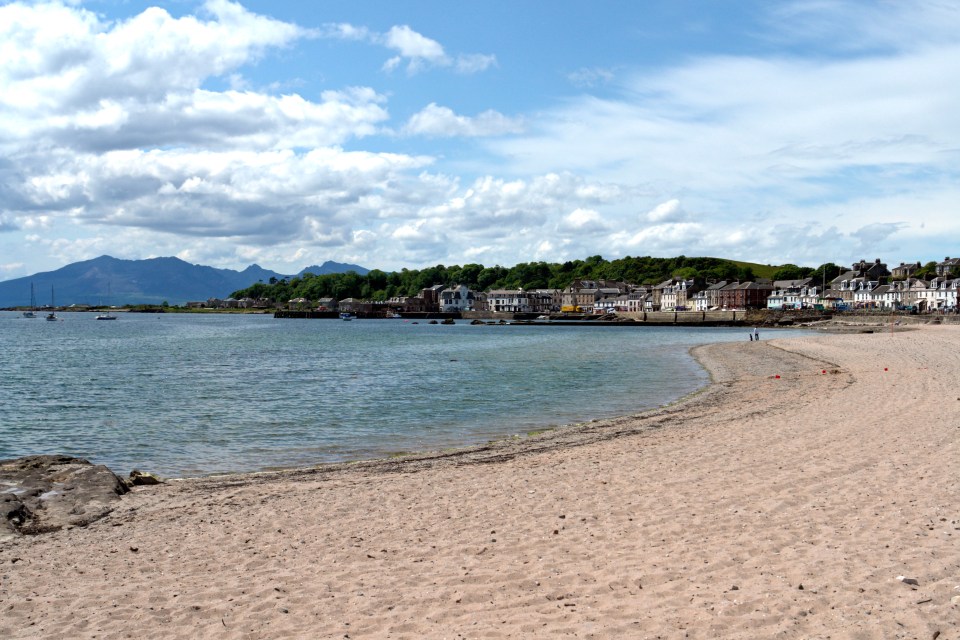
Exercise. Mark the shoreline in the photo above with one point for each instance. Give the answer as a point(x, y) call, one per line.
point(760, 506)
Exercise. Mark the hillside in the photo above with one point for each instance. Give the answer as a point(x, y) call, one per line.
point(759, 270)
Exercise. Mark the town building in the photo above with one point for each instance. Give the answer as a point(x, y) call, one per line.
point(949, 267)
point(456, 299)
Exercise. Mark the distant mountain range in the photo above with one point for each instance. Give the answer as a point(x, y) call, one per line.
point(107, 280)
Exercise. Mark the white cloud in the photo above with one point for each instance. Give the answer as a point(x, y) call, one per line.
point(583, 221)
point(58, 58)
point(859, 27)
point(663, 237)
point(271, 196)
point(344, 31)
point(69, 80)
point(414, 46)
point(417, 50)
point(434, 120)
point(668, 211)
point(411, 231)
point(474, 63)
point(590, 77)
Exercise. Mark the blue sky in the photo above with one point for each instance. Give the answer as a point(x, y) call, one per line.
point(409, 134)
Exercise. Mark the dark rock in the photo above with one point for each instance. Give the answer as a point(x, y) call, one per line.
point(46, 493)
point(138, 477)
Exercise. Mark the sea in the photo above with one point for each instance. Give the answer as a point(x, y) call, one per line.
point(184, 395)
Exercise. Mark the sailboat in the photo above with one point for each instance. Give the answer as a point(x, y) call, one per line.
point(32, 313)
point(52, 316)
point(107, 315)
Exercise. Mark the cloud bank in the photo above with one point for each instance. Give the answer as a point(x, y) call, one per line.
point(148, 136)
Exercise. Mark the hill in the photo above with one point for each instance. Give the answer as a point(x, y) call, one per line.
point(109, 280)
point(759, 270)
point(333, 267)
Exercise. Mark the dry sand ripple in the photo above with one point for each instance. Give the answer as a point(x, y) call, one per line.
point(763, 507)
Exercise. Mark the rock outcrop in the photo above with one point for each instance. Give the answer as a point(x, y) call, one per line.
point(46, 493)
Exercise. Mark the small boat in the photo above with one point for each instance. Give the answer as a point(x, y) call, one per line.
point(394, 315)
point(347, 316)
point(52, 316)
point(107, 315)
point(32, 313)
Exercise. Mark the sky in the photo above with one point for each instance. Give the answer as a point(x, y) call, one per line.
point(409, 134)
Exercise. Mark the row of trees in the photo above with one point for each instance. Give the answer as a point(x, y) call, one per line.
point(380, 285)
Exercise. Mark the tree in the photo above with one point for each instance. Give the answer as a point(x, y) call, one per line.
point(825, 273)
point(377, 279)
point(787, 272)
point(489, 276)
point(469, 274)
point(927, 271)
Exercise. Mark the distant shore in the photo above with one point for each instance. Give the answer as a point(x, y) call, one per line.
point(809, 491)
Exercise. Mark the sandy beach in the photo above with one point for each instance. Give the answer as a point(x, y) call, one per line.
point(812, 491)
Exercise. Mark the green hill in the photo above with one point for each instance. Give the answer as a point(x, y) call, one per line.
point(759, 270)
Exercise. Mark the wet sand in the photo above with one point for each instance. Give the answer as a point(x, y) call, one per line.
point(762, 507)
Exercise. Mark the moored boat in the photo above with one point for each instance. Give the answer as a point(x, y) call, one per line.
point(32, 312)
point(107, 315)
point(52, 316)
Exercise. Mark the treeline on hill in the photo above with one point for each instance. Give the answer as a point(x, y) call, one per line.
point(380, 285)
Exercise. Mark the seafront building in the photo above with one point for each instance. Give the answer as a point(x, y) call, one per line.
point(456, 299)
point(866, 285)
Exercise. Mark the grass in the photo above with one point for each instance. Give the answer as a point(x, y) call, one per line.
point(759, 270)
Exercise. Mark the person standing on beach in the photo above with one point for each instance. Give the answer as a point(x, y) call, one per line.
point(756, 334)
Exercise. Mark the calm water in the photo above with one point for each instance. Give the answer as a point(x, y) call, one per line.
point(184, 395)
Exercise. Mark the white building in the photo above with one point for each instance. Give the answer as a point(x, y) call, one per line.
point(677, 295)
point(456, 299)
point(509, 301)
point(701, 301)
point(863, 294)
point(941, 293)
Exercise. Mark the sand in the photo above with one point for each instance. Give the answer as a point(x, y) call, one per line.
point(762, 507)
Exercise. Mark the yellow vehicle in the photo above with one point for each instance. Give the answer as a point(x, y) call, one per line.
point(570, 308)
